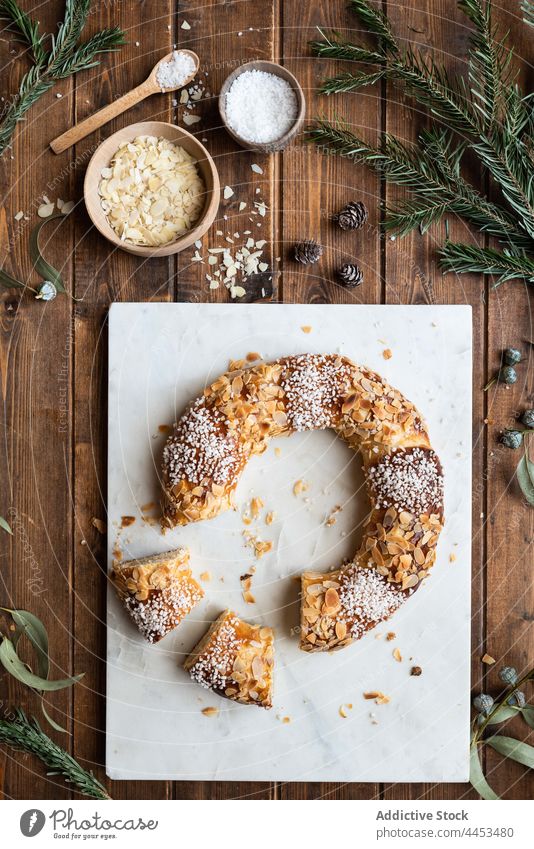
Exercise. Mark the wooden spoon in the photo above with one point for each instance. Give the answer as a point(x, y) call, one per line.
point(93, 122)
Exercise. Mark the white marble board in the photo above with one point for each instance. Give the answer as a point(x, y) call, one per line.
point(160, 357)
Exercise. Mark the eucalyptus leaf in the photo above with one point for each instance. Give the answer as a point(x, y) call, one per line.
point(502, 714)
point(51, 721)
point(14, 665)
point(525, 478)
point(10, 282)
point(34, 629)
point(42, 267)
point(517, 751)
point(5, 526)
point(476, 776)
point(528, 715)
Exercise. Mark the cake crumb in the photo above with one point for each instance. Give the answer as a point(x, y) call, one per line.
point(416, 670)
point(488, 659)
point(210, 711)
point(387, 353)
point(306, 328)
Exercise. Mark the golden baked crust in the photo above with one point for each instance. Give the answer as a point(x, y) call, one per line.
point(235, 660)
point(244, 408)
point(157, 591)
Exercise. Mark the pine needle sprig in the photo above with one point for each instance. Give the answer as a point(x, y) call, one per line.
point(66, 56)
point(26, 735)
point(485, 114)
point(25, 29)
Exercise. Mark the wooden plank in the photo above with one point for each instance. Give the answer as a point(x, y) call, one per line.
point(226, 35)
point(510, 521)
point(412, 276)
point(35, 353)
point(313, 187)
point(103, 277)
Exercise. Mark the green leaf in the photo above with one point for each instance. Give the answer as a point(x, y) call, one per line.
point(14, 665)
point(517, 751)
point(33, 628)
point(476, 776)
point(525, 478)
point(528, 715)
point(42, 267)
point(502, 714)
point(51, 721)
point(5, 526)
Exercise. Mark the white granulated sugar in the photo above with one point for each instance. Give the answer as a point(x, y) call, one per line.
point(163, 610)
point(260, 107)
point(173, 74)
point(312, 386)
point(367, 598)
point(408, 480)
point(201, 448)
point(213, 667)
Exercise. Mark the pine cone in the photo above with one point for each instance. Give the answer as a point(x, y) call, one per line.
point(352, 216)
point(308, 251)
point(350, 275)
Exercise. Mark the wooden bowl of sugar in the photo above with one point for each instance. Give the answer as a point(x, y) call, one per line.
point(103, 200)
point(262, 106)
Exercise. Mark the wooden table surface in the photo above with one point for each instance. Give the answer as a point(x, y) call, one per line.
point(53, 356)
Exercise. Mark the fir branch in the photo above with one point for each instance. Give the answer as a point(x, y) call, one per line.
point(489, 62)
point(376, 22)
point(332, 48)
point(430, 171)
point(527, 7)
point(26, 735)
point(470, 259)
point(66, 56)
point(25, 29)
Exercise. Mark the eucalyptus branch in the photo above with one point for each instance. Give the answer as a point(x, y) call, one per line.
point(25, 735)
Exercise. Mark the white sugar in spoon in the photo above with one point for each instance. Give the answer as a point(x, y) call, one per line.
point(93, 122)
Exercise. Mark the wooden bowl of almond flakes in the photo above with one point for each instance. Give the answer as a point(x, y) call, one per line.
point(124, 216)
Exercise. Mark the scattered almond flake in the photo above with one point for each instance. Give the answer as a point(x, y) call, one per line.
point(259, 546)
point(487, 658)
point(100, 525)
point(191, 119)
point(242, 205)
point(237, 292)
point(277, 452)
point(269, 519)
point(285, 720)
point(45, 210)
point(228, 192)
point(214, 284)
point(256, 168)
point(185, 25)
point(261, 207)
point(18, 216)
point(379, 698)
point(210, 711)
point(255, 506)
point(452, 557)
point(331, 520)
point(263, 266)
point(252, 356)
point(387, 354)
point(397, 655)
point(67, 207)
point(248, 598)
point(343, 710)
point(184, 96)
point(306, 328)
point(205, 576)
point(300, 486)
point(378, 636)
point(390, 635)
point(416, 670)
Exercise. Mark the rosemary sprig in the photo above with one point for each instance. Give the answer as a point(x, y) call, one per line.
point(486, 114)
point(25, 735)
point(66, 55)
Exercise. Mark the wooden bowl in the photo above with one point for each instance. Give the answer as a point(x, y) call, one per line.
point(101, 159)
point(280, 71)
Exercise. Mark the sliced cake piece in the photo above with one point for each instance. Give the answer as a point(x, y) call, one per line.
point(339, 607)
point(157, 591)
point(235, 659)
